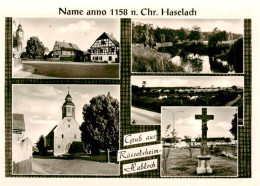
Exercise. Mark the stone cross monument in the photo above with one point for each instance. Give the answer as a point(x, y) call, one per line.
point(204, 159)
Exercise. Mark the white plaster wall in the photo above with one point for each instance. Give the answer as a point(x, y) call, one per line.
point(21, 150)
point(68, 133)
point(104, 57)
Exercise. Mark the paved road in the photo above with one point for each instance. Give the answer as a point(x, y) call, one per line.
point(145, 117)
point(75, 166)
point(71, 69)
point(230, 103)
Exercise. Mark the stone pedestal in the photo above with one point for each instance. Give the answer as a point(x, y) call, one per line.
point(204, 165)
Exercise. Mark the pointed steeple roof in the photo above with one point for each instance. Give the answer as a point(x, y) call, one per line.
point(68, 99)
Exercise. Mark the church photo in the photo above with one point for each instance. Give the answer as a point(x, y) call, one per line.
point(199, 141)
point(66, 129)
point(65, 48)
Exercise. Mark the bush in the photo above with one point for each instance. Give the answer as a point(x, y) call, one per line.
point(149, 60)
point(67, 58)
point(24, 55)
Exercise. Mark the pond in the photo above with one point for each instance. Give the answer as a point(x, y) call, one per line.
point(202, 64)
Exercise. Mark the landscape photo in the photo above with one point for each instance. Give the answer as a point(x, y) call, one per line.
point(65, 129)
point(65, 48)
point(187, 46)
point(150, 93)
point(199, 141)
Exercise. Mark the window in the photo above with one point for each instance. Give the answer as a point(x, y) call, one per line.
point(58, 146)
point(103, 42)
point(68, 126)
point(62, 136)
point(100, 57)
point(110, 58)
point(75, 136)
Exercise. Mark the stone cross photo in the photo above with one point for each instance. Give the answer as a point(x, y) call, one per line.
point(204, 160)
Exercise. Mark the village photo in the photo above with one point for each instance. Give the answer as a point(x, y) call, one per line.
point(199, 141)
point(65, 48)
point(65, 129)
point(187, 45)
point(150, 93)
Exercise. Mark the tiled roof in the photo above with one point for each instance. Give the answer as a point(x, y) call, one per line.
point(68, 46)
point(18, 122)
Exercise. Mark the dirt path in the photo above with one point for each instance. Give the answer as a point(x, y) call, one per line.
point(230, 103)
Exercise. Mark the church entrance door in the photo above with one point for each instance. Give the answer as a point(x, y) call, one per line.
point(67, 148)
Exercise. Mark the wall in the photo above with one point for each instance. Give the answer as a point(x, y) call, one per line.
point(22, 156)
point(68, 133)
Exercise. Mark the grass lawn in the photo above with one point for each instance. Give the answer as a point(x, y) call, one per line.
point(72, 70)
point(179, 163)
point(97, 158)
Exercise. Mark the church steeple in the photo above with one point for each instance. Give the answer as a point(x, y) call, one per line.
point(68, 108)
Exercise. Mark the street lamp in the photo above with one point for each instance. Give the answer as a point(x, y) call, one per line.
point(166, 154)
point(173, 115)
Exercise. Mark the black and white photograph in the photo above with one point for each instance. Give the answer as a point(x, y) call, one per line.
point(187, 45)
point(199, 141)
point(65, 129)
point(66, 48)
point(150, 93)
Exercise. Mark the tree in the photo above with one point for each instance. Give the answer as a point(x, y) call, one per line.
point(187, 139)
point(35, 47)
point(194, 33)
point(182, 34)
point(41, 145)
point(233, 129)
point(171, 137)
point(101, 124)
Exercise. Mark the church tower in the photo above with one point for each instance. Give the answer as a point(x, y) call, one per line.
point(20, 38)
point(68, 108)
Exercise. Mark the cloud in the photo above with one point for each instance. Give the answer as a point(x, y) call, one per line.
point(79, 26)
point(37, 91)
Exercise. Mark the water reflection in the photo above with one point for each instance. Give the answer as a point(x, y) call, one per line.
point(202, 64)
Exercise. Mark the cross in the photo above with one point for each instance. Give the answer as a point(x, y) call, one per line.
point(205, 118)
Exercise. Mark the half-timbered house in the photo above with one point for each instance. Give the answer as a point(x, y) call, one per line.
point(105, 48)
point(65, 50)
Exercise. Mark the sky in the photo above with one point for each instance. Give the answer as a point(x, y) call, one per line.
point(186, 124)
point(41, 104)
point(206, 25)
point(179, 81)
point(82, 32)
